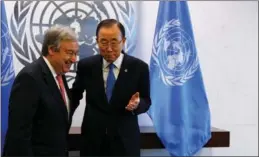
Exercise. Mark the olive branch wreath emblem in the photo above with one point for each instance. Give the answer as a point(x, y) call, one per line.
point(171, 80)
point(25, 52)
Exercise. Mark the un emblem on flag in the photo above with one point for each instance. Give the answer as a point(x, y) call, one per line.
point(174, 54)
point(7, 70)
point(31, 18)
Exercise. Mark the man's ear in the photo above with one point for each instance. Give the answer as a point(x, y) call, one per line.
point(124, 40)
point(52, 50)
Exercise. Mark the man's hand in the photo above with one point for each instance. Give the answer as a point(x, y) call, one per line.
point(134, 102)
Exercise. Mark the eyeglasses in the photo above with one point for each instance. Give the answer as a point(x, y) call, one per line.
point(113, 43)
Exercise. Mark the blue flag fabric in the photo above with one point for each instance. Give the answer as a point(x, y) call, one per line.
point(180, 110)
point(7, 72)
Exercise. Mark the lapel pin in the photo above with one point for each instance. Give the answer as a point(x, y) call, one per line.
point(126, 70)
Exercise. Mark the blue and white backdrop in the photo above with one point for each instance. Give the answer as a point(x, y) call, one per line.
point(27, 21)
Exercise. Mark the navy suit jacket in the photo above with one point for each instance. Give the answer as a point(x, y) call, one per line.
point(38, 121)
point(112, 118)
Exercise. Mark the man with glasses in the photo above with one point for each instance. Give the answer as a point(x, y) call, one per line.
point(39, 107)
point(117, 91)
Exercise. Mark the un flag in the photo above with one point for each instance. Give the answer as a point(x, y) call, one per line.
point(180, 109)
point(7, 72)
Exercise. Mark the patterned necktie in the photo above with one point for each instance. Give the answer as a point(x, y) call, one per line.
point(110, 82)
point(61, 87)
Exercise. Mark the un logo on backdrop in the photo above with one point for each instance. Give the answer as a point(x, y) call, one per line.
point(174, 54)
point(30, 19)
point(7, 70)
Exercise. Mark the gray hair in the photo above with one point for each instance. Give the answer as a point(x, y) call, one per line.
point(54, 35)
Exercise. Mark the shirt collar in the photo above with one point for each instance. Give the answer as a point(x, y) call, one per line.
point(117, 62)
point(50, 67)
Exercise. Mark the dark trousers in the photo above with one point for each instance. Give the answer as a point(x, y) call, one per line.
point(110, 146)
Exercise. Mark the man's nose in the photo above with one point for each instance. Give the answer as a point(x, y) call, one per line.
point(73, 58)
point(109, 48)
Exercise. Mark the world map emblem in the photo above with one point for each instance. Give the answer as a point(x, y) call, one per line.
point(174, 54)
point(31, 19)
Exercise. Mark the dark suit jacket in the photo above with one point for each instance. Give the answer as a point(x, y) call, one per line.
point(112, 118)
point(38, 118)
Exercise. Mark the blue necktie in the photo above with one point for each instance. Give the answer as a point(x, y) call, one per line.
point(110, 82)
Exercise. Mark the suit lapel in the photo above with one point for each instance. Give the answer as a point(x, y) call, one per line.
point(98, 75)
point(51, 83)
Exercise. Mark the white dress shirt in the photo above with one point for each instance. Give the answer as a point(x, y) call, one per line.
point(116, 70)
point(54, 74)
